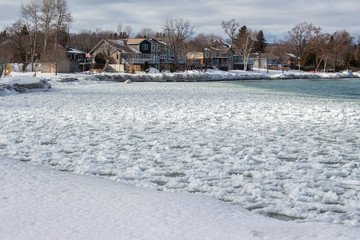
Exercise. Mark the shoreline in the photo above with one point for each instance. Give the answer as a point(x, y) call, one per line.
point(22, 82)
point(195, 76)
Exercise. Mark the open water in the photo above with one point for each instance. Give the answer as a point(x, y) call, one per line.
point(343, 88)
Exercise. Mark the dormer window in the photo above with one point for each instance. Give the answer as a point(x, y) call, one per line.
point(145, 47)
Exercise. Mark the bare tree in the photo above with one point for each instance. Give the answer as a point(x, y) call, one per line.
point(63, 19)
point(18, 34)
point(325, 49)
point(124, 31)
point(340, 43)
point(85, 40)
point(298, 38)
point(47, 17)
point(280, 49)
point(5, 48)
point(119, 28)
point(319, 45)
point(30, 14)
point(177, 31)
point(203, 43)
point(315, 44)
point(128, 30)
point(230, 27)
point(244, 43)
point(146, 32)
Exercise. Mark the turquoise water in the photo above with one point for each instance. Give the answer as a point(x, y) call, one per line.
point(341, 88)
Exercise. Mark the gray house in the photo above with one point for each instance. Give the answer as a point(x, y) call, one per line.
point(154, 52)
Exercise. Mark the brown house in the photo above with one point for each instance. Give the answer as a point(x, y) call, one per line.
point(113, 55)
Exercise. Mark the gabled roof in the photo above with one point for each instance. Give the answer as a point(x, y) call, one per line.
point(221, 52)
point(118, 45)
point(221, 44)
point(225, 51)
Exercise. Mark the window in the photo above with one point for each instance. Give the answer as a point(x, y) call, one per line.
point(159, 48)
point(152, 47)
point(163, 56)
point(145, 47)
point(153, 57)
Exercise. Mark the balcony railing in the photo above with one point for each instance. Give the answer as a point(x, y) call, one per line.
point(84, 61)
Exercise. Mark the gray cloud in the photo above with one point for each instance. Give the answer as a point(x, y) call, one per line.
point(275, 18)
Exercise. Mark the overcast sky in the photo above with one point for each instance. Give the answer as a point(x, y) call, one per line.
point(275, 17)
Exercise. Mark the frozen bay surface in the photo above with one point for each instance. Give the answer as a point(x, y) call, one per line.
point(281, 153)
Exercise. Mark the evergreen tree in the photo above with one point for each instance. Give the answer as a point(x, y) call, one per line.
point(242, 32)
point(146, 65)
point(260, 43)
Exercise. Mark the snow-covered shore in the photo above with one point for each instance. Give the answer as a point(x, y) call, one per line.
point(22, 83)
point(216, 75)
point(37, 203)
point(17, 81)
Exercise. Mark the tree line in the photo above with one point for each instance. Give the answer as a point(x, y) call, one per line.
point(305, 45)
point(43, 28)
point(40, 30)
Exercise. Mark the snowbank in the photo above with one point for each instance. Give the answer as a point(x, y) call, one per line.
point(21, 84)
point(39, 203)
point(216, 75)
point(309, 75)
point(193, 76)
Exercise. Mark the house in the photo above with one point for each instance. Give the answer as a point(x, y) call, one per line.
point(264, 60)
point(65, 60)
point(80, 61)
point(222, 58)
point(138, 53)
point(195, 60)
point(154, 53)
point(218, 54)
point(113, 55)
point(221, 55)
point(239, 63)
point(62, 66)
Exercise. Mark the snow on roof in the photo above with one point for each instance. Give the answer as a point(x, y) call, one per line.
point(133, 49)
point(74, 51)
point(291, 55)
point(118, 42)
point(225, 44)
